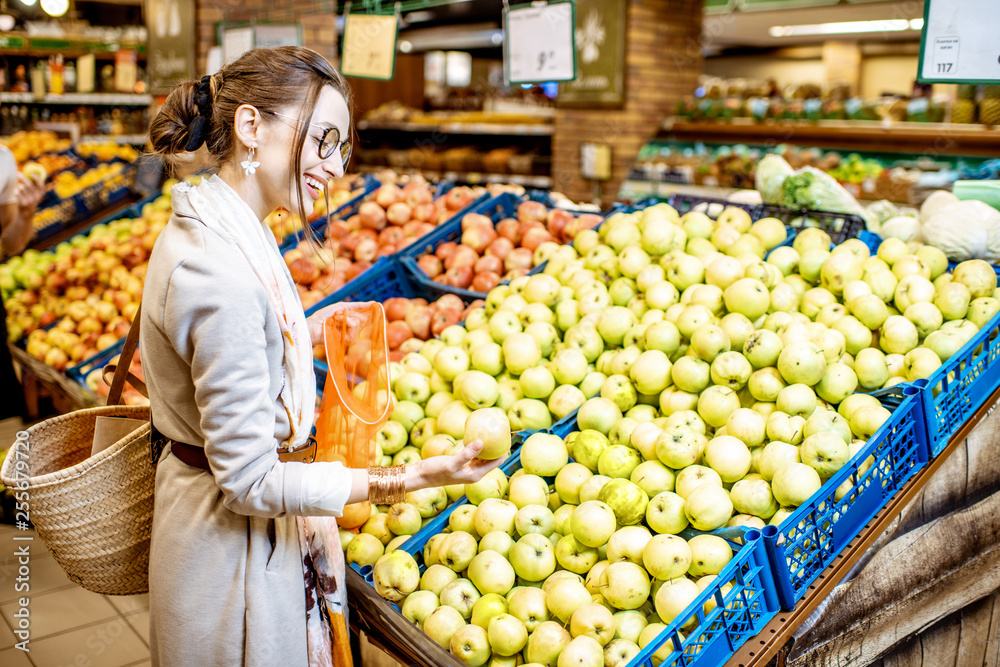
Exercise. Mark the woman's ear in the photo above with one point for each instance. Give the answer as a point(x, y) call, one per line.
point(247, 124)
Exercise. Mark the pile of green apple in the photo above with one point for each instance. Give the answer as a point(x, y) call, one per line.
point(513, 580)
point(710, 355)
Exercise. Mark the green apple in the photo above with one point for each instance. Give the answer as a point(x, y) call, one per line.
point(794, 483)
point(491, 573)
point(436, 577)
point(801, 362)
point(731, 369)
point(491, 426)
point(418, 605)
point(678, 446)
point(594, 621)
point(495, 514)
point(716, 403)
point(470, 645)
point(665, 513)
point(729, 456)
point(507, 635)
point(598, 414)
point(652, 477)
point(673, 597)
point(626, 585)
point(546, 643)
point(529, 413)
point(694, 476)
point(975, 274)
point(429, 502)
point(565, 596)
point(593, 522)
point(626, 500)
point(825, 452)
point(574, 556)
point(457, 550)
point(667, 557)
point(528, 606)
point(618, 461)
point(403, 519)
point(461, 595)
point(526, 489)
point(866, 420)
point(708, 507)
point(709, 554)
point(487, 607)
point(396, 575)
point(533, 557)
point(442, 624)
point(753, 496)
point(492, 485)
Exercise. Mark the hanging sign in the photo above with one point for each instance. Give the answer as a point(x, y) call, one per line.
point(369, 46)
point(171, 45)
point(957, 45)
point(539, 43)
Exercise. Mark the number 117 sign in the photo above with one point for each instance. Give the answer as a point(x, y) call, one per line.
point(539, 43)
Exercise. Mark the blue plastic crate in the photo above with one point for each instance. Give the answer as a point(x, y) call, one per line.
point(739, 614)
point(496, 209)
point(684, 203)
point(840, 226)
point(809, 539)
point(961, 385)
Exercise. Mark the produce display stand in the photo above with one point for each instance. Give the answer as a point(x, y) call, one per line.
point(953, 139)
point(775, 640)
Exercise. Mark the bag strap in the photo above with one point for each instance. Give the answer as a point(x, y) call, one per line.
point(124, 361)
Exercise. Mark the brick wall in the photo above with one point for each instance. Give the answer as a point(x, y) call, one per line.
point(316, 19)
point(663, 60)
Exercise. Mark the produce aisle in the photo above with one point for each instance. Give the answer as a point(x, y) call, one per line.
point(727, 302)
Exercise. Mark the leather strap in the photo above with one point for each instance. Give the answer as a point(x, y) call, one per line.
point(125, 360)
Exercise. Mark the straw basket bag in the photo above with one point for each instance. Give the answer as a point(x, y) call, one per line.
point(94, 513)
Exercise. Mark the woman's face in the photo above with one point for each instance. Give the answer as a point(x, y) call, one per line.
point(281, 186)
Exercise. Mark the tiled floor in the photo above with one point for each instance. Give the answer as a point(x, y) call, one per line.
point(69, 625)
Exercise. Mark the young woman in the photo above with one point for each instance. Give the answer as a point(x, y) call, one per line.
point(227, 354)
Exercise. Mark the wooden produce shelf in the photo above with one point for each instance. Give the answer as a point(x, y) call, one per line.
point(923, 138)
point(500, 129)
point(775, 640)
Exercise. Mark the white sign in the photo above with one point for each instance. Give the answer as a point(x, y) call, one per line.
point(539, 43)
point(369, 46)
point(958, 43)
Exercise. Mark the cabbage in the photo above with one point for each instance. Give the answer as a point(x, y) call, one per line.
point(965, 230)
point(883, 210)
point(813, 189)
point(935, 202)
point(902, 227)
point(772, 171)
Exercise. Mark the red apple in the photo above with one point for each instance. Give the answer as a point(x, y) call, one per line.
point(459, 276)
point(396, 307)
point(444, 319)
point(423, 212)
point(371, 216)
point(500, 248)
point(393, 235)
point(366, 250)
point(473, 219)
point(478, 237)
point(397, 332)
point(485, 281)
point(430, 265)
point(388, 194)
point(449, 302)
point(510, 229)
point(463, 256)
point(557, 220)
point(445, 250)
point(458, 198)
point(304, 270)
point(532, 210)
point(519, 258)
point(488, 263)
point(535, 237)
point(399, 213)
point(419, 322)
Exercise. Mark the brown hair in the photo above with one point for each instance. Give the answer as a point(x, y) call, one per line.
point(268, 79)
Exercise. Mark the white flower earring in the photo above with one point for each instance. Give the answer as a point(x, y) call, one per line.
point(249, 166)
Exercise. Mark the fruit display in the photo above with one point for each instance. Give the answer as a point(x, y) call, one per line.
point(108, 152)
point(94, 381)
point(719, 376)
point(389, 220)
point(67, 183)
point(29, 145)
point(79, 282)
point(494, 249)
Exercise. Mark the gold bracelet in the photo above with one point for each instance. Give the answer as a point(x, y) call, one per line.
point(386, 486)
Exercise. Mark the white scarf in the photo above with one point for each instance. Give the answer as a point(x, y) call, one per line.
point(223, 211)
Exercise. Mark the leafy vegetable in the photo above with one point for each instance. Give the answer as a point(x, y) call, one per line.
point(812, 189)
point(772, 171)
point(965, 230)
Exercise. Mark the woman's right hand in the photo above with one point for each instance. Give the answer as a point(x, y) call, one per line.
point(460, 468)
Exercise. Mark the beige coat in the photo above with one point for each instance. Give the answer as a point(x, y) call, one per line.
point(226, 583)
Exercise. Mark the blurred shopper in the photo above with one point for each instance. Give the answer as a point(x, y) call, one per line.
point(19, 197)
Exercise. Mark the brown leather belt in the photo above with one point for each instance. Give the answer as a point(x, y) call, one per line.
point(189, 454)
point(195, 456)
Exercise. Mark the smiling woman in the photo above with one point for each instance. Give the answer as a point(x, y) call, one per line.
point(239, 516)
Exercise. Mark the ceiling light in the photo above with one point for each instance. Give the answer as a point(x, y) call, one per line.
point(6, 22)
point(845, 27)
point(55, 7)
point(405, 46)
point(28, 3)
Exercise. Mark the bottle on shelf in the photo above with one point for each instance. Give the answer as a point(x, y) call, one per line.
point(69, 77)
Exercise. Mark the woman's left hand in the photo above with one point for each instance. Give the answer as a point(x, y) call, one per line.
point(29, 193)
point(318, 319)
point(460, 468)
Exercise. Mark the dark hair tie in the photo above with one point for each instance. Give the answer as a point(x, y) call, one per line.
point(200, 127)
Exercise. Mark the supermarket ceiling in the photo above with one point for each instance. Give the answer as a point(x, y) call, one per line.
point(749, 28)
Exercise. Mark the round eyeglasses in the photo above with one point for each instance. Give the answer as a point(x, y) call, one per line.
point(328, 141)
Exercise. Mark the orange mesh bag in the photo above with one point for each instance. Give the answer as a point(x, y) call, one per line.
point(356, 398)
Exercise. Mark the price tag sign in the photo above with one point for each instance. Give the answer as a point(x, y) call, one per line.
point(958, 43)
point(539, 43)
point(369, 46)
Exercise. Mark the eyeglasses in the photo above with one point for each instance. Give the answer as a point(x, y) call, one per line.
point(328, 141)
